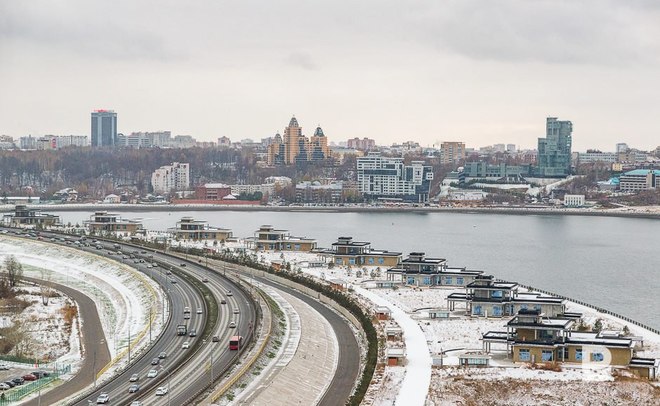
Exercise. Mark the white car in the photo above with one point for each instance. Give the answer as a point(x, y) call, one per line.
point(185, 345)
point(199, 310)
point(4, 367)
point(103, 398)
point(136, 403)
point(152, 373)
point(134, 378)
point(4, 386)
point(161, 391)
point(232, 324)
point(229, 293)
point(236, 311)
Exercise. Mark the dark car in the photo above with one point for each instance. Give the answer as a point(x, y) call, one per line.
point(155, 361)
point(192, 333)
point(18, 381)
point(182, 265)
point(215, 339)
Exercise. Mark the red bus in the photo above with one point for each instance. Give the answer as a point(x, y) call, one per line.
point(235, 342)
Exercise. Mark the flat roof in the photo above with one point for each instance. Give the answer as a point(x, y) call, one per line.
point(352, 243)
point(545, 322)
point(593, 339)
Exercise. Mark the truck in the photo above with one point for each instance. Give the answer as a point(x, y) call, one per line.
point(181, 330)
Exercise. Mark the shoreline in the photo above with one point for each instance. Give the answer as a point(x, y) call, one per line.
point(347, 209)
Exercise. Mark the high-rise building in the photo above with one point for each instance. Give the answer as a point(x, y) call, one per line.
point(175, 177)
point(383, 177)
point(511, 148)
point(621, 147)
point(554, 152)
point(104, 128)
point(451, 152)
point(294, 147)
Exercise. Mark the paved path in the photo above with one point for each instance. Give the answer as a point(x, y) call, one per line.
point(92, 337)
point(307, 363)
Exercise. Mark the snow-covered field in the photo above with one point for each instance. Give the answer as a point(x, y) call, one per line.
point(122, 295)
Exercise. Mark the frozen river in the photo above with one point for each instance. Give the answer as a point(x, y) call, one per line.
point(610, 262)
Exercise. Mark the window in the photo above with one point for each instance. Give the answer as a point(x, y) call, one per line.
point(459, 280)
point(427, 280)
point(477, 309)
point(565, 357)
point(597, 356)
point(339, 261)
point(370, 260)
point(448, 280)
point(351, 261)
point(411, 280)
point(537, 307)
point(523, 354)
point(578, 354)
point(288, 246)
point(497, 310)
point(497, 294)
point(381, 260)
point(547, 355)
point(296, 247)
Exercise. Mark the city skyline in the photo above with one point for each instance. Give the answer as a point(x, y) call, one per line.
point(474, 72)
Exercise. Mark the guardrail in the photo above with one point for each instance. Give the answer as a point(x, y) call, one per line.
point(580, 302)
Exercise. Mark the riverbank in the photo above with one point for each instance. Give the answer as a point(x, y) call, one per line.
point(648, 212)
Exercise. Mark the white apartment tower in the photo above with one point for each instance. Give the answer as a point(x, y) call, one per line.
point(170, 178)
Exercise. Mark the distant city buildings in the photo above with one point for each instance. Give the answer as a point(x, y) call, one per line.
point(639, 179)
point(175, 177)
point(554, 151)
point(104, 128)
point(384, 177)
point(295, 148)
point(365, 144)
point(317, 192)
point(160, 139)
point(452, 152)
point(596, 156)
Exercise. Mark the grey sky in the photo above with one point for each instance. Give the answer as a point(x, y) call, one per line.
point(482, 72)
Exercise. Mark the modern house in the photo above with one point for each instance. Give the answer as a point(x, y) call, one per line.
point(348, 252)
point(419, 270)
point(27, 217)
point(267, 238)
point(104, 222)
point(190, 229)
point(532, 336)
point(488, 297)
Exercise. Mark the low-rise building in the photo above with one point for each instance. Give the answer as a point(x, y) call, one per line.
point(574, 200)
point(639, 179)
point(316, 192)
point(267, 238)
point(28, 217)
point(212, 191)
point(419, 270)
point(190, 229)
point(359, 253)
point(104, 222)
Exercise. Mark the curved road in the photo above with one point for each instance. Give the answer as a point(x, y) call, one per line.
point(92, 337)
point(348, 366)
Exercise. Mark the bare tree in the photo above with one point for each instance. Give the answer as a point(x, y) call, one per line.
point(13, 271)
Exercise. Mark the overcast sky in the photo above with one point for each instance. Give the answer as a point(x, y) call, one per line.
point(482, 72)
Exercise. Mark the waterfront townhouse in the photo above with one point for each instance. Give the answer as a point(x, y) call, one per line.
point(267, 238)
point(190, 229)
point(359, 253)
point(533, 337)
point(27, 217)
point(104, 222)
point(487, 297)
point(419, 270)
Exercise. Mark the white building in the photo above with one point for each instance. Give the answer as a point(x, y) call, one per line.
point(382, 177)
point(589, 157)
point(175, 177)
point(573, 200)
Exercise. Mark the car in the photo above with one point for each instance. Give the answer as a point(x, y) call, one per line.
point(141, 261)
point(215, 339)
point(4, 386)
point(192, 333)
point(182, 265)
point(155, 361)
point(161, 391)
point(152, 373)
point(186, 316)
point(136, 261)
point(185, 345)
point(155, 265)
point(236, 311)
point(124, 257)
point(229, 293)
point(186, 309)
point(9, 383)
point(168, 272)
point(173, 280)
point(162, 355)
point(205, 280)
point(232, 324)
point(199, 310)
point(223, 301)
point(18, 381)
point(103, 398)
point(133, 388)
point(29, 377)
point(143, 252)
point(4, 367)
point(136, 403)
point(98, 247)
point(134, 378)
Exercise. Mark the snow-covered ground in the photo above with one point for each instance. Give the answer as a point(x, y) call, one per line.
point(122, 295)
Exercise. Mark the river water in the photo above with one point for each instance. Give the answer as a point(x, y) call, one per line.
point(611, 262)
